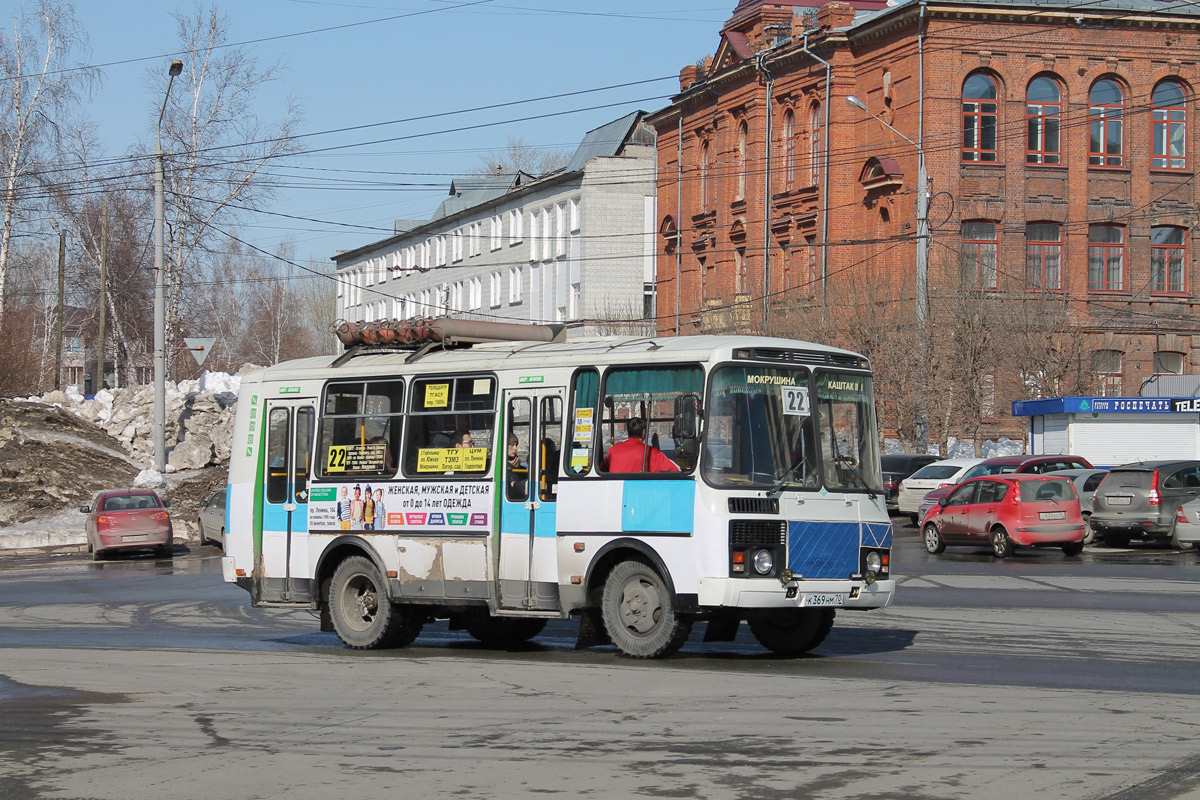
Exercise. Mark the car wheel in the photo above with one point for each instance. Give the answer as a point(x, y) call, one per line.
point(363, 616)
point(1002, 546)
point(792, 632)
point(933, 539)
point(99, 555)
point(640, 614)
point(164, 551)
point(1073, 548)
point(203, 538)
point(1089, 535)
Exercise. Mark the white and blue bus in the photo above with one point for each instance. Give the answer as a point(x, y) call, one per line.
point(464, 477)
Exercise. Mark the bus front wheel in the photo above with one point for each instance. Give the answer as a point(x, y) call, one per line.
point(362, 615)
point(639, 612)
point(793, 632)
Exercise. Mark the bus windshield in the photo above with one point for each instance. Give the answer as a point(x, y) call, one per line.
point(788, 428)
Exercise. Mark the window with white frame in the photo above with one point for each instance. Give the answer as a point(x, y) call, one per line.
point(369, 273)
point(456, 247)
point(496, 288)
point(534, 240)
point(426, 308)
point(514, 285)
point(441, 251)
point(497, 232)
point(574, 206)
point(547, 232)
point(476, 293)
point(1168, 363)
point(560, 228)
point(516, 226)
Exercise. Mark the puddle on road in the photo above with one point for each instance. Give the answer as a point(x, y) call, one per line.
point(38, 729)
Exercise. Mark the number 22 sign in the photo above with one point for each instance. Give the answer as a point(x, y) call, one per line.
point(795, 401)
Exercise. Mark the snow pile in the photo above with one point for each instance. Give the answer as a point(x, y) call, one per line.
point(199, 420)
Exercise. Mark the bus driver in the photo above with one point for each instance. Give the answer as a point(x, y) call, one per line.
point(634, 455)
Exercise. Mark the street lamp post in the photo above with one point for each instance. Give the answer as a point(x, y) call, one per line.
point(922, 270)
point(160, 302)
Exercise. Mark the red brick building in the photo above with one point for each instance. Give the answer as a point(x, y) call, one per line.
point(1058, 140)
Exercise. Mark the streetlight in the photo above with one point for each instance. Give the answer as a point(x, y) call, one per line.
point(922, 269)
point(160, 304)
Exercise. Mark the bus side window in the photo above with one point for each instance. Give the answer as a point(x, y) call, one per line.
point(585, 421)
point(518, 436)
point(442, 409)
point(550, 432)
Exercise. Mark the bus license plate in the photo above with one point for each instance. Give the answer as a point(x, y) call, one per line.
point(1118, 499)
point(1054, 515)
point(140, 537)
point(824, 599)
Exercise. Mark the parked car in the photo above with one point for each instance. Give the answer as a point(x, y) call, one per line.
point(128, 519)
point(896, 467)
point(1086, 481)
point(946, 472)
point(1142, 500)
point(211, 520)
point(1007, 511)
point(1009, 465)
point(1187, 525)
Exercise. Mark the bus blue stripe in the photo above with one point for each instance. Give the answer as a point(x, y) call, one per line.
point(822, 550)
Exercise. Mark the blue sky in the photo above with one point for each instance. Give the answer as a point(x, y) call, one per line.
point(440, 58)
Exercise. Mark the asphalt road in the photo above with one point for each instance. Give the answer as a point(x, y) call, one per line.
point(1039, 675)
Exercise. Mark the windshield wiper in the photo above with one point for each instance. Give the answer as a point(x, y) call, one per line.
point(838, 458)
point(789, 476)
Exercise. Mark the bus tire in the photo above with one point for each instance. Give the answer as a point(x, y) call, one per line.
point(363, 617)
point(502, 631)
point(640, 614)
point(792, 632)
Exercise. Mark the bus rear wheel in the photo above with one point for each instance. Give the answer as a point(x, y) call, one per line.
point(502, 631)
point(362, 615)
point(792, 632)
point(639, 612)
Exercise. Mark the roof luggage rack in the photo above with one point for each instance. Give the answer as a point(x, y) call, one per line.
point(420, 335)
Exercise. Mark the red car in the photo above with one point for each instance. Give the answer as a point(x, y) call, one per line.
point(128, 519)
point(1004, 465)
point(1007, 511)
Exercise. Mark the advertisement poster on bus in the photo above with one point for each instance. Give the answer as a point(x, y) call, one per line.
point(409, 507)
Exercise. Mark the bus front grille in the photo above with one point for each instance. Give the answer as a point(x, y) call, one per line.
point(757, 532)
point(753, 505)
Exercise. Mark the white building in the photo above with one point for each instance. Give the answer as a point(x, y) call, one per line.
point(576, 245)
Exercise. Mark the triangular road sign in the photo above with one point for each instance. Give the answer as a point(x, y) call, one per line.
point(200, 348)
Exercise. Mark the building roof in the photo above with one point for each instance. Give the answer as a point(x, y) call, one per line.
point(608, 140)
point(472, 191)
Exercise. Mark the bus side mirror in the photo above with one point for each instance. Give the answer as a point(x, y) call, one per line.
point(684, 428)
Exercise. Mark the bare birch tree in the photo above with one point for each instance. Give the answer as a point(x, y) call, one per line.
point(39, 85)
point(519, 155)
point(218, 151)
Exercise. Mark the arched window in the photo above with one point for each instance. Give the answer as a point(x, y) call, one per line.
point(979, 118)
point(1168, 254)
point(1106, 116)
point(705, 166)
point(1043, 113)
point(814, 144)
point(743, 161)
point(789, 149)
point(1106, 258)
point(1169, 112)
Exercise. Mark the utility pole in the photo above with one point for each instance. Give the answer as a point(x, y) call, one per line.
point(98, 383)
point(58, 335)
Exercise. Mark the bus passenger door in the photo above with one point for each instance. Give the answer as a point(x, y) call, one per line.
point(527, 570)
point(290, 426)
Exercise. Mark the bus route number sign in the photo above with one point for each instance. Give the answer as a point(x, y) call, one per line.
point(795, 401)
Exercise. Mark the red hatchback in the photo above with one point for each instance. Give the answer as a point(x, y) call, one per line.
point(1007, 511)
point(128, 519)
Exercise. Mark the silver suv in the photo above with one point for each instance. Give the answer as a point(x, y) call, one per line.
point(1140, 501)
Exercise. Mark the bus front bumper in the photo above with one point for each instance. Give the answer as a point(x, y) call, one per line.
point(742, 593)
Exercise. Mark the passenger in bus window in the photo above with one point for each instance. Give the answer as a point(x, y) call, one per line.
point(518, 472)
point(462, 438)
point(633, 455)
point(389, 466)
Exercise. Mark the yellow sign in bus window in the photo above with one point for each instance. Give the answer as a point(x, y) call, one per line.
point(452, 459)
point(437, 395)
point(336, 462)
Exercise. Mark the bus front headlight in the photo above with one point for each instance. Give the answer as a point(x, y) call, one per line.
point(874, 562)
point(764, 562)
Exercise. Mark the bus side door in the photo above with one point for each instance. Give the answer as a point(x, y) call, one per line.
point(290, 426)
point(527, 563)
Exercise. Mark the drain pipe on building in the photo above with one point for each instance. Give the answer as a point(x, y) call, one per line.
point(825, 176)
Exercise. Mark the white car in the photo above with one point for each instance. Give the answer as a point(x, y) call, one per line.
point(929, 477)
point(211, 520)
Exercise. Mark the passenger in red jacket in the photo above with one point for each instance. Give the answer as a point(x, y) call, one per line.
point(634, 455)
